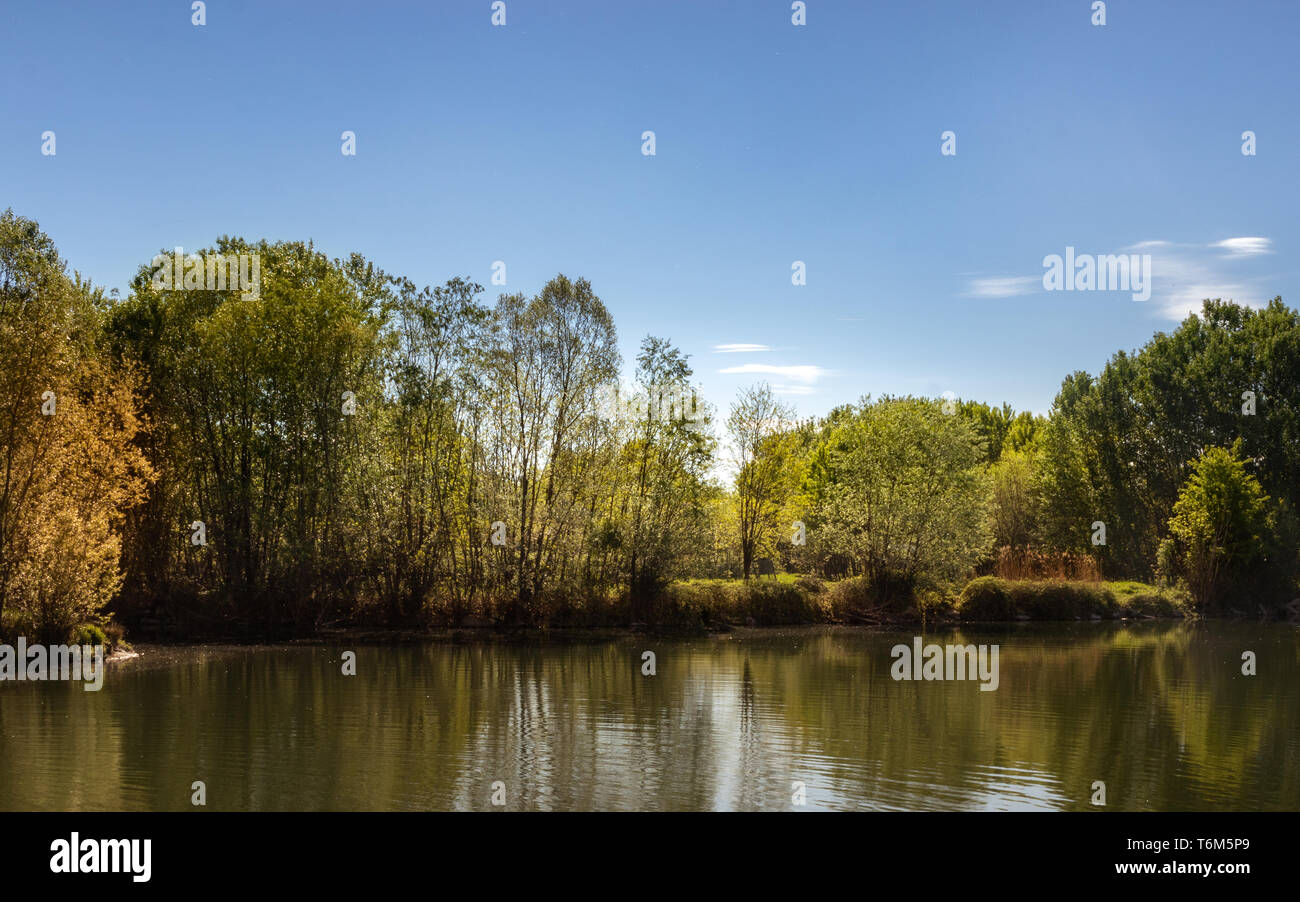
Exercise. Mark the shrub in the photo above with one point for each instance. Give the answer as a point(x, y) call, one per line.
point(115, 635)
point(713, 603)
point(1219, 521)
point(989, 598)
point(811, 584)
point(1140, 600)
point(852, 592)
point(985, 598)
point(87, 634)
point(775, 604)
point(857, 598)
point(1059, 600)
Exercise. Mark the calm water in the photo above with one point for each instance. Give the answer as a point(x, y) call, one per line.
point(1160, 712)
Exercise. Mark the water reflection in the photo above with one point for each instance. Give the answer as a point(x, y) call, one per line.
point(1160, 712)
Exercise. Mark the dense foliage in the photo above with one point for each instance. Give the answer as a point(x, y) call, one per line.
point(341, 445)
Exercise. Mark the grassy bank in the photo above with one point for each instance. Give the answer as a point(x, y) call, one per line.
point(991, 599)
point(717, 604)
point(795, 600)
point(105, 632)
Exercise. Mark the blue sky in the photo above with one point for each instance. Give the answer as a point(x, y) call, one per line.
point(774, 143)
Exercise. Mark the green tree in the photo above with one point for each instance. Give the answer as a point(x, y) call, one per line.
point(762, 445)
point(903, 492)
point(257, 439)
point(1118, 445)
point(415, 488)
point(1013, 508)
point(1219, 520)
point(557, 357)
point(667, 451)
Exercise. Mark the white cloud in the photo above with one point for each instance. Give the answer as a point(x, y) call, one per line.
point(1184, 275)
point(1004, 287)
point(805, 375)
point(1245, 247)
point(739, 348)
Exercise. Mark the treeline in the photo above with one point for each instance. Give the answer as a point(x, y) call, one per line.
point(345, 438)
point(337, 445)
point(1188, 451)
point(1179, 465)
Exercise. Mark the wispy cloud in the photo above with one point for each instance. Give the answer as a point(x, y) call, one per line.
point(1183, 275)
point(1246, 247)
point(739, 348)
point(1004, 287)
point(805, 376)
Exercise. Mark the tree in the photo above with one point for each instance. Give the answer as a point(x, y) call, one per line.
point(1118, 444)
point(903, 493)
point(1219, 520)
point(415, 486)
point(1012, 507)
point(759, 427)
point(558, 354)
point(667, 452)
point(258, 440)
point(69, 464)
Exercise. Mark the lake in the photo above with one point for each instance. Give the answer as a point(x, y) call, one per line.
point(1160, 712)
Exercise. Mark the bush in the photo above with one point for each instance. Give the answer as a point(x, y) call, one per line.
point(811, 584)
point(1140, 600)
point(115, 636)
point(715, 602)
point(858, 599)
point(87, 634)
point(1053, 600)
point(68, 574)
point(683, 606)
point(1153, 604)
point(989, 598)
point(778, 604)
point(986, 598)
point(1219, 521)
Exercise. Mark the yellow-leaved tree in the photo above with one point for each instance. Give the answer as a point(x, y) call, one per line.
point(70, 466)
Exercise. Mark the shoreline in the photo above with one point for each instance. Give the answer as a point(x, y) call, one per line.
point(151, 650)
point(723, 609)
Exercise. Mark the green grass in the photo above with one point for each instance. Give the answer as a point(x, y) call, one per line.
point(1143, 600)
